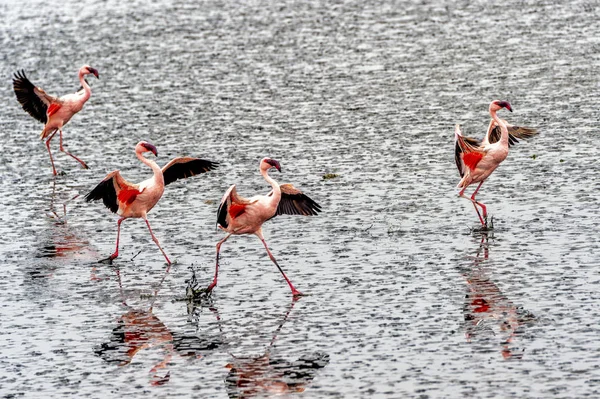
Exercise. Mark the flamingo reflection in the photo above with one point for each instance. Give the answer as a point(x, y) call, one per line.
point(487, 311)
point(267, 374)
point(138, 329)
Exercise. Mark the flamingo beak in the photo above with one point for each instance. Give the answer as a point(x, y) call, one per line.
point(274, 164)
point(94, 71)
point(151, 148)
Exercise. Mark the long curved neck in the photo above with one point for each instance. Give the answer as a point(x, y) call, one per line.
point(158, 175)
point(503, 127)
point(86, 87)
point(276, 190)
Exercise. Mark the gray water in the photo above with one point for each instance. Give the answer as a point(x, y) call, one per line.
point(403, 298)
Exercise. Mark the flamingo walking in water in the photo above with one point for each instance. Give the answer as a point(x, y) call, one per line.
point(129, 200)
point(54, 112)
point(476, 160)
point(238, 215)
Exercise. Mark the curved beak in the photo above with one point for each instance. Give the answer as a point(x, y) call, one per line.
point(151, 148)
point(95, 72)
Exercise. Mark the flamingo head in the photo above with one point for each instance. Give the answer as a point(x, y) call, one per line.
point(88, 70)
point(498, 105)
point(268, 163)
point(144, 146)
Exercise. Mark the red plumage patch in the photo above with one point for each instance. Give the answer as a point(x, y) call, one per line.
point(236, 210)
point(480, 305)
point(471, 159)
point(127, 196)
point(53, 108)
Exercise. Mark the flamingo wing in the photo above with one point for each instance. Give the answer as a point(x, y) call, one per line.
point(181, 168)
point(294, 202)
point(463, 145)
point(114, 190)
point(232, 205)
point(33, 99)
point(514, 133)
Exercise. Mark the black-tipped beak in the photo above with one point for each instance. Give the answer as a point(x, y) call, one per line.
point(151, 148)
point(94, 71)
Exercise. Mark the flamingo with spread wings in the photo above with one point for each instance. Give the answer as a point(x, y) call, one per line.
point(53, 112)
point(129, 200)
point(476, 160)
point(238, 215)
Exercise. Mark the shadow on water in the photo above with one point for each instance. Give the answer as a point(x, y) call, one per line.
point(58, 240)
point(139, 328)
point(265, 374)
point(490, 316)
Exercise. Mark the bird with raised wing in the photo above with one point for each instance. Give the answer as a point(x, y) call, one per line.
point(238, 215)
point(476, 160)
point(129, 200)
point(53, 112)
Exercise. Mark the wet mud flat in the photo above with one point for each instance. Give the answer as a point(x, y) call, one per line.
point(403, 298)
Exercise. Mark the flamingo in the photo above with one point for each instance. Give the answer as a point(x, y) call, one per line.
point(238, 215)
point(477, 160)
point(129, 200)
point(53, 112)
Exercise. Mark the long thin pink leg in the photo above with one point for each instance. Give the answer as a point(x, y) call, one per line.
point(116, 253)
point(295, 292)
point(50, 152)
point(214, 282)
point(157, 243)
point(462, 194)
point(483, 207)
point(68, 153)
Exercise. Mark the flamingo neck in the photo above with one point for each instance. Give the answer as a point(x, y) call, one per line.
point(86, 87)
point(158, 175)
point(503, 127)
point(276, 190)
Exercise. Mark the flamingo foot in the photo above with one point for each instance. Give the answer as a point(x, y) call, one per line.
point(109, 260)
point(296, 293)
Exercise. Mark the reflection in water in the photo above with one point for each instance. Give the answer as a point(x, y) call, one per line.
point(139, 328)
point(488, 313)
point(58, 240)
point(265, 375)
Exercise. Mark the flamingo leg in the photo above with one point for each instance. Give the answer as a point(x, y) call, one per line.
point(68, 153)
point(50, 152)
point(295, 292)
point(157, 243)
point(214, 282)
point(462, 194)
point(116, 253)
point(483, 207)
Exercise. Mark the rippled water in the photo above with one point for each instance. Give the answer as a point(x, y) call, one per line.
point(403, 300)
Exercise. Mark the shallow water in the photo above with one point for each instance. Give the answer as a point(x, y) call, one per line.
point(403, 299)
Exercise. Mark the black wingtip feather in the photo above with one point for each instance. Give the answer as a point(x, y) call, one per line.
point(222, 215)
point(184, 170)
point(31, 103)
point(106, 192)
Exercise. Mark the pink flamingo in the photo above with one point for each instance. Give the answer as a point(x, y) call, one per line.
point(238, 215)
point(54, 112)
point(129, 200)
point(477, 160)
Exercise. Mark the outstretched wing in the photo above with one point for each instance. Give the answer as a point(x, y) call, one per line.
point(232, 205)
point(463, 144)
point(181, 168)
point(33, 99)
point(294, 202)
point(514, 133)
point(114, 190)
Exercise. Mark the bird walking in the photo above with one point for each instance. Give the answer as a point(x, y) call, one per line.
point(238, 215)
point(476, 160)
point(129, 200)
point(53, 112)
